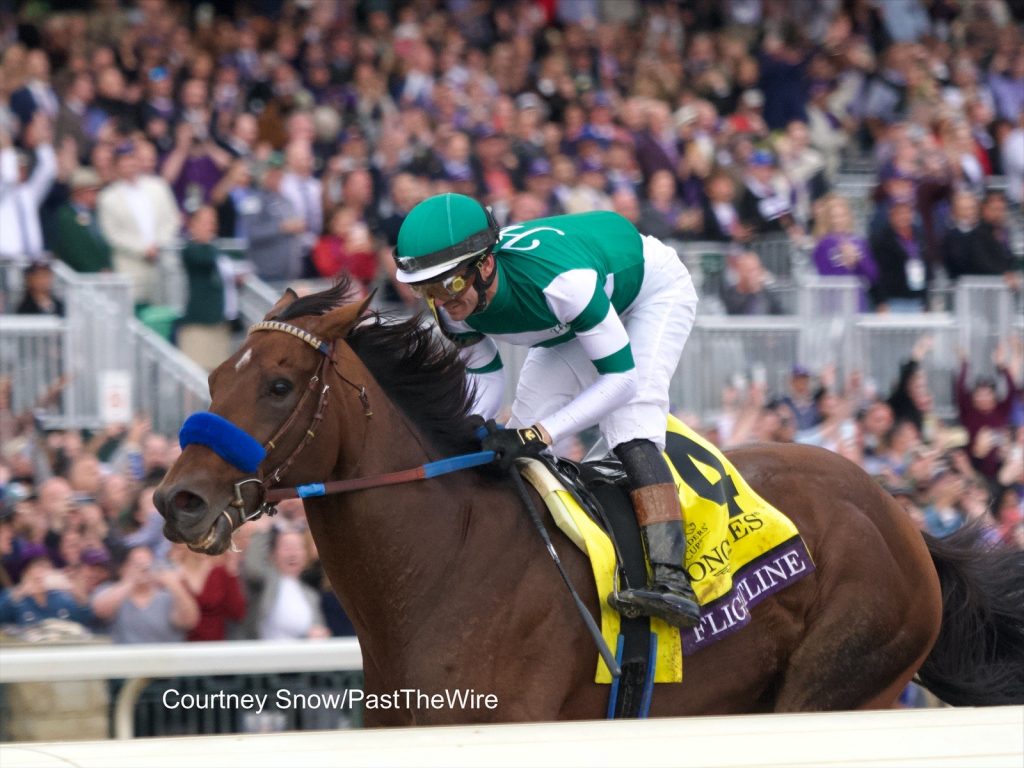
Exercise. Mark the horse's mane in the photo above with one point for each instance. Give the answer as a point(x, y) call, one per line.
point(423, 376)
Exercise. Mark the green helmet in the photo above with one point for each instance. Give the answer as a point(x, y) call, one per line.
point(441, 233)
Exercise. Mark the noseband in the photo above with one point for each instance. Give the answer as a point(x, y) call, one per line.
point(224, 438)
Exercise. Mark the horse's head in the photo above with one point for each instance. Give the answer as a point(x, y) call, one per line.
point(268, 403)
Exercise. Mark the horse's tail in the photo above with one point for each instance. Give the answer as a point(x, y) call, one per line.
point(978, 659)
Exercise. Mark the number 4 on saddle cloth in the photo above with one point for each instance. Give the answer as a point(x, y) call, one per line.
point(740, 550)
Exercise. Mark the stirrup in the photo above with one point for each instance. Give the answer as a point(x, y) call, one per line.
point(672, 608)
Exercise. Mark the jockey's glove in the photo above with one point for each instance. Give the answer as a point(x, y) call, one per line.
point(511, 444)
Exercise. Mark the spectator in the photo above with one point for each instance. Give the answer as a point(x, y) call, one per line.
point(800, 399)
point(79, 242)
point(962, 245)
point(36, 95)
point(304, 191)
point(194, 166)
point(720, 219)
point(942, 515)
point(148, 604)
point(992, 255)
point(589, 194)
point(138, 217)
point(875, 423)
point(804, 167)
point(661, 216)
point(985, 416)
point(841, 252)
point(23, 192)
point(204, 330)
point(749, 115)
point(214, 585)
point(903, 274)
point(232, 197)
point(274, 228)
point(748, 293)
point(911, 400)
point(1012, 156)
point(766, 204)
point(346, 249)
point(71, 117)
point(285, 608)
point(241, 141)
point(828, 132)
point(144, 526)
point(656, 145)
point(42, 593)
point(39, 298)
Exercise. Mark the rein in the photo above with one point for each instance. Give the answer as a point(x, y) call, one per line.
point(222, 437)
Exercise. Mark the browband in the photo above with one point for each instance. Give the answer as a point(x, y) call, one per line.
point(275, 325)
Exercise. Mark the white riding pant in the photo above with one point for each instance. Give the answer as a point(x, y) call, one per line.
point(658, 322)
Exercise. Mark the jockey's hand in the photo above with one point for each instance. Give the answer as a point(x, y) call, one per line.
point(511, 444)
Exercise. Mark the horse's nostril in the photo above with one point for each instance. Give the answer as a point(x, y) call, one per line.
point(186, 501)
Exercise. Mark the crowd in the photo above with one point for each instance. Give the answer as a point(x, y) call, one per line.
point(130, 131)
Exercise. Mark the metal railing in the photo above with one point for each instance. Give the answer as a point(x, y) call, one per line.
point(138, 664)
point(722, 349)
point(33, 356)
point(98, 334)
point(985, 311)
point(167, 385)
point(882, 342)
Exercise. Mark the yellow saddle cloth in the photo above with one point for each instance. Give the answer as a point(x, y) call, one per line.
point(740, 549)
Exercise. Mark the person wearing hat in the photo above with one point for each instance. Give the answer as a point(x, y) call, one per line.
point(766, 203)
point(589, 193)
point(605, 312)
point(273, 226)
point(24, 189)
point(79, 243)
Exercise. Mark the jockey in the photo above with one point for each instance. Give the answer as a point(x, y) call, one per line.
point(605, 311)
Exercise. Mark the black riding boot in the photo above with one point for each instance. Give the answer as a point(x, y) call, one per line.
point(668, 595)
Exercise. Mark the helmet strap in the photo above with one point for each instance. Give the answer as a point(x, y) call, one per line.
point(482, 285)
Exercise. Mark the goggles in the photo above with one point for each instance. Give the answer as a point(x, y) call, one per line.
point(449, 288)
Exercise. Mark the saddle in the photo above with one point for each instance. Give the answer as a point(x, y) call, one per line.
point(740, 550)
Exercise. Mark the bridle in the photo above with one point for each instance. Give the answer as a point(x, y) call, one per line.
point(263, 480)
point(244, 452)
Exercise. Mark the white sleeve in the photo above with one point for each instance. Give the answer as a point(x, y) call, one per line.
point(8, 166)
point(486, 375)
point(576, 298)
point(608, 392)
point(45, 173)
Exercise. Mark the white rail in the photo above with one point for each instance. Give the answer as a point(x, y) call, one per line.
point(919, 737)
point(137, 664)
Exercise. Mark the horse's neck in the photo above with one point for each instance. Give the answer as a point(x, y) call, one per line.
point(392, 552)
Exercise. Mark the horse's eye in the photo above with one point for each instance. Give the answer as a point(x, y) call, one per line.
point(280, 387)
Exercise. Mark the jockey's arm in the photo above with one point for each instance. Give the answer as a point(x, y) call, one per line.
point(486, 375)
point(483, 363)
point(602, 335)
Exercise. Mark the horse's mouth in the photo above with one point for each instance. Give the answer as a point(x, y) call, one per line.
point(216, 539)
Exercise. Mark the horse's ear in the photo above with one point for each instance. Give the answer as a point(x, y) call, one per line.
point(286, 298)
point(338, 322)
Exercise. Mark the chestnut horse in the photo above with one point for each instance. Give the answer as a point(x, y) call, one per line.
point(449, 585)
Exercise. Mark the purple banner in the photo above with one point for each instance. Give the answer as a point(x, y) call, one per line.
point(774, 570)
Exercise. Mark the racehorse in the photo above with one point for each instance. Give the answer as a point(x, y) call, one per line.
point(449, 586)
